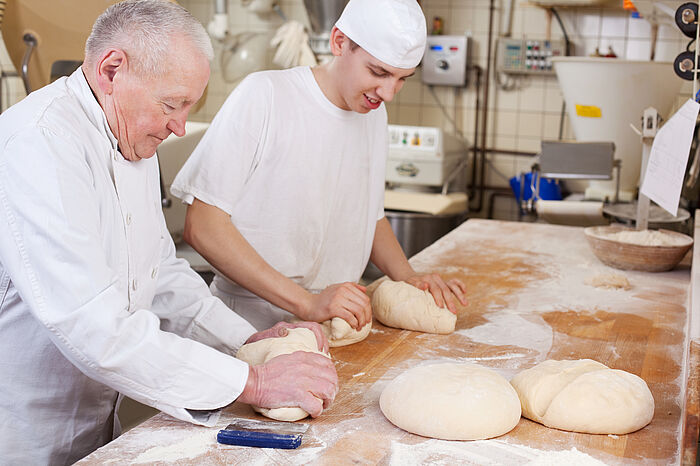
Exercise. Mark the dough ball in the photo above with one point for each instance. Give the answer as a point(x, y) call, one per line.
point(340, 333)
point(451, 401)
point(259, 352)
point(400, 305)
point(584, 396)
point(611, 281)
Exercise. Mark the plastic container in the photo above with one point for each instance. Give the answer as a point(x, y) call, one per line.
point(549, 189)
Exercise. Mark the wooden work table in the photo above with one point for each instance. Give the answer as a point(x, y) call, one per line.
point(528, 302)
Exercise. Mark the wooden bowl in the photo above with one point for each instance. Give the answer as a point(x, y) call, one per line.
point(628, 256)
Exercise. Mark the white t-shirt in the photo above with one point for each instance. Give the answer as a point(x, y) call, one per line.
point(302, 179)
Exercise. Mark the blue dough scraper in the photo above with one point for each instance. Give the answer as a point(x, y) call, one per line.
point(252, 433)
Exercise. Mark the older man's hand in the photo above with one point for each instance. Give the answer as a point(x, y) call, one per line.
point(444, 292)
point(300, 379)
point(281, 329)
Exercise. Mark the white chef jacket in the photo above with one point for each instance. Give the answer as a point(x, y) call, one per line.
point(93, 300)
point(302, 180)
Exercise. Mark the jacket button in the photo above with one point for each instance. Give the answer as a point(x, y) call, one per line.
point(134, 284)
point(128, 219)
point(154, 272)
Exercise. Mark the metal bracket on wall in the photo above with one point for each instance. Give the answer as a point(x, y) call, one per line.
point(31, 43)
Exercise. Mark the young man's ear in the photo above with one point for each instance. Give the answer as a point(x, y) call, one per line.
point(339, 42)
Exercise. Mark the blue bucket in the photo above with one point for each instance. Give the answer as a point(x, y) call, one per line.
point(549, 189)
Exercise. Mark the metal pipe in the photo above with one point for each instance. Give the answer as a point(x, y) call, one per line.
point(517, 153)
point(567, 52)
point(482, 168)
point(220, 6)
point(475, 150)
point(31, 42)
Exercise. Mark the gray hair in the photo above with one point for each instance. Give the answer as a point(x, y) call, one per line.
point(143, 29)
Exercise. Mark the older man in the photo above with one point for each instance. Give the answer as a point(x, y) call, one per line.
point(93, 302)
point(294, 209)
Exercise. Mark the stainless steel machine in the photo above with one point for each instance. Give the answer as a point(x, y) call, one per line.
point(425, 196)
point(322, 16)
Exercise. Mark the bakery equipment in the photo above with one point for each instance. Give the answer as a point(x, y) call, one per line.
point(322, 17)
point(425, 171)
point(425, 194)
point(603, 97)
point(262, 434)
point(642, 213)
point(569, 160)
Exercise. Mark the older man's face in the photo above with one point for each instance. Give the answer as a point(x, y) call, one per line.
point(146, 110)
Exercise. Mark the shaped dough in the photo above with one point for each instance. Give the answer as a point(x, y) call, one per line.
point(451, 401)
point(400, 305)
point(584, 396)
point(340, 333)
point(259, 352)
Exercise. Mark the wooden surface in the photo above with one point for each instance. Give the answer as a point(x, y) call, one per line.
point(528, 302)
point(692, 408)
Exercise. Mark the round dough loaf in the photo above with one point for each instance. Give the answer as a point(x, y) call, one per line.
point(400, 305)
point(340, 333)
point(451, 401)
point(584, 396)
point(259, 352)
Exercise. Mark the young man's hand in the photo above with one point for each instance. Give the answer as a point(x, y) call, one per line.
point(345, 300)
point(443, 292)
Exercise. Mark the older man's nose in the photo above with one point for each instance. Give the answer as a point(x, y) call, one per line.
point(177, 125)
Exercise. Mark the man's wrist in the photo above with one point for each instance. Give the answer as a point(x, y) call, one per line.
point(404, 274)
point(251, 392)
point(303, 304)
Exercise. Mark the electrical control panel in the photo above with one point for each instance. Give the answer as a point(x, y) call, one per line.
point(527, 56)
point(445, 60)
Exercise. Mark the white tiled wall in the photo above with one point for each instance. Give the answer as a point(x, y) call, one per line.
point(518, 119)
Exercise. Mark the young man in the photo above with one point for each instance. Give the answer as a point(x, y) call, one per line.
point(286, 187)
point(93, 302)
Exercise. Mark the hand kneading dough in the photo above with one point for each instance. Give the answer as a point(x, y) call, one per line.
point(259, 352)
point(452, 401)
point(400, 305)
point(584, 396)
point(340, 333)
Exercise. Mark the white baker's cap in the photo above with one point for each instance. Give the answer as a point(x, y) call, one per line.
point(392, 31)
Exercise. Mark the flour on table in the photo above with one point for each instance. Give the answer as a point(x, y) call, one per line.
point(508, 329)
point(483, 452)
point(190, 447)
